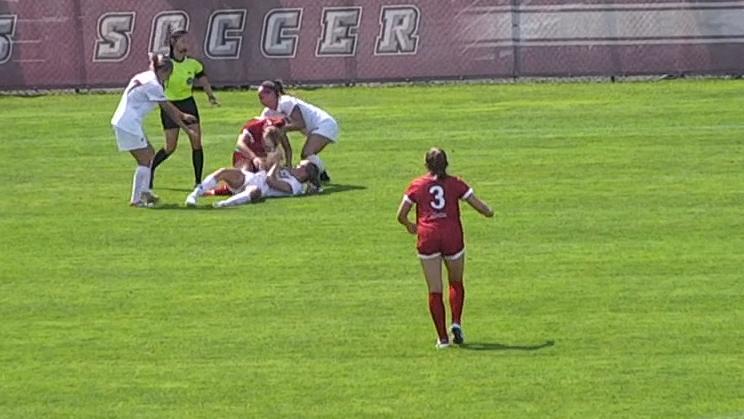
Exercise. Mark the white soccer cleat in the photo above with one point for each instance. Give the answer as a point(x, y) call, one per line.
point(150, 199)
point(191, 200)
point(442, 345)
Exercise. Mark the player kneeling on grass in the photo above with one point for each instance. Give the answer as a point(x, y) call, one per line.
point(248, 186)
point(440, 238)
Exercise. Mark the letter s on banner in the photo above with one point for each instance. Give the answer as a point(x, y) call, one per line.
point(399, 30)
point(114, 36)
point(164, 24)
point(224, 34)
point(7, 32)
point(281, 29)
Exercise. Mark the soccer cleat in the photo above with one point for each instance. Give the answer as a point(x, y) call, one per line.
point(139, 204)
point(457, 336)
point(191, 200)
point(442, 344)
point(150, 199)
point(219, 204)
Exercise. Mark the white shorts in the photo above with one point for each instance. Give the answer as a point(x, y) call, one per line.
point(327, 128)
point(128, 141)
point(257, 179)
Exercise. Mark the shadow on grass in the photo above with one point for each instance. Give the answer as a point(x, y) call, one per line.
point(174, 189)
point(502, 347)
point(328, 189)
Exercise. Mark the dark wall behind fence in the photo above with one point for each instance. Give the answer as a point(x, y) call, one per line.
point(101, 43)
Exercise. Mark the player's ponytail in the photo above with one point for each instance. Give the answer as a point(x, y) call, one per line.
point(436, 162)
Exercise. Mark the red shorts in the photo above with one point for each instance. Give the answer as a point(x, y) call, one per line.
point(446, 242)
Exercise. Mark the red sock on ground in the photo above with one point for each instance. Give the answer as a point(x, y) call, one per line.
point(436, 308)
point(221, 190)
point(457, 299)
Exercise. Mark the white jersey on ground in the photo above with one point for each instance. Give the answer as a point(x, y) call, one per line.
point(311, 114)
point(286, 176)
point(139, 99)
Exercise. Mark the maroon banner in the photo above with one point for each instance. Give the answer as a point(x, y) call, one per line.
point(101, 43)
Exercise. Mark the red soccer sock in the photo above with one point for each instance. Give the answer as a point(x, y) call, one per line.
point(436, 308)
point(457, 299)
point(221, 190)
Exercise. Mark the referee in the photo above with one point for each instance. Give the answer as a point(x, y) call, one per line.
point(186, 73)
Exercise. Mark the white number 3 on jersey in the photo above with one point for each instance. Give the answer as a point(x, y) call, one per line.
point(437, 192)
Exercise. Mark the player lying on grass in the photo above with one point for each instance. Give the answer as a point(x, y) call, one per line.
point(248, 186)
point(261, 144)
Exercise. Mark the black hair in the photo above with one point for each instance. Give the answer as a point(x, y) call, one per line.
point(172, 38)
point(313, 174)
point(436, 162)
point(274, 85)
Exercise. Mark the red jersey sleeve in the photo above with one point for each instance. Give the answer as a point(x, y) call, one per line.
point(462, 189)
point(411, 195)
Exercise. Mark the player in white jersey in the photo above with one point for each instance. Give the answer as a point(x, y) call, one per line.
point(143, 94)
point(319, 127)
point(248, 186)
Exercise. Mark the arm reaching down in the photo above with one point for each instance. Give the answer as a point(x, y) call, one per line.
point(479, 205)
point(403, 210)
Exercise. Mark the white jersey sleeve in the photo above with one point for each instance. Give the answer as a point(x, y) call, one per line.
point(155, 92)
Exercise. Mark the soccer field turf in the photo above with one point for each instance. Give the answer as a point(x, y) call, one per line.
point(607, 285)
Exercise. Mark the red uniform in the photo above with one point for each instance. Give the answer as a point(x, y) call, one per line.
point(255, 142)
point(438, 214)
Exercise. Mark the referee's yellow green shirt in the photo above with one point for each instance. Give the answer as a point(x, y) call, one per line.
point(181, 81)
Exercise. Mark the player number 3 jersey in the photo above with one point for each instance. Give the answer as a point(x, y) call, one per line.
point(437, 200)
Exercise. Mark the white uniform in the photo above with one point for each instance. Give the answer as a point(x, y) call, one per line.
point(258, 180)
point(285, 176)
point(317, 121)
point(139, 99)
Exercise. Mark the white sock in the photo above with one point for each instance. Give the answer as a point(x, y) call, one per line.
point(209, 183)
point(238, 199)
point(140, 183)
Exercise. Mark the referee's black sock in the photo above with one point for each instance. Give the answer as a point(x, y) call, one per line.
point(160, 157)
point(197, 157)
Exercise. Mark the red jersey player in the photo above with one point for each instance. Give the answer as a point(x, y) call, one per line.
point(440, 237)
point(254, 143)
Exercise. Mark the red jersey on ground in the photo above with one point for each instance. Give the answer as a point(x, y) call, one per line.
point(438, 213)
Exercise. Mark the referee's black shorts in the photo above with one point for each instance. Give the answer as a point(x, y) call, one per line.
point(186, 106)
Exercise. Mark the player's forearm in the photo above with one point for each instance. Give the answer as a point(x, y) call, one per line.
point(175, 114)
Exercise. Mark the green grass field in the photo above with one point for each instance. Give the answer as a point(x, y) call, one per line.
point(619, 238)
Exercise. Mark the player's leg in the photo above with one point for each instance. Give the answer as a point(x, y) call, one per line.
point(314, 144)
point(197, 153)
point(432, 266)
point(141, 180)
point(455, 268)
point(233, 177)
point(171, 142)
point(251, 193)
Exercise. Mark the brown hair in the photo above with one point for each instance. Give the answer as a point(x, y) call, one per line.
point(272, 134)
point(172, 38)
point(313, 174)
point(274, 85)
point(436, 162)
point(159, 62)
